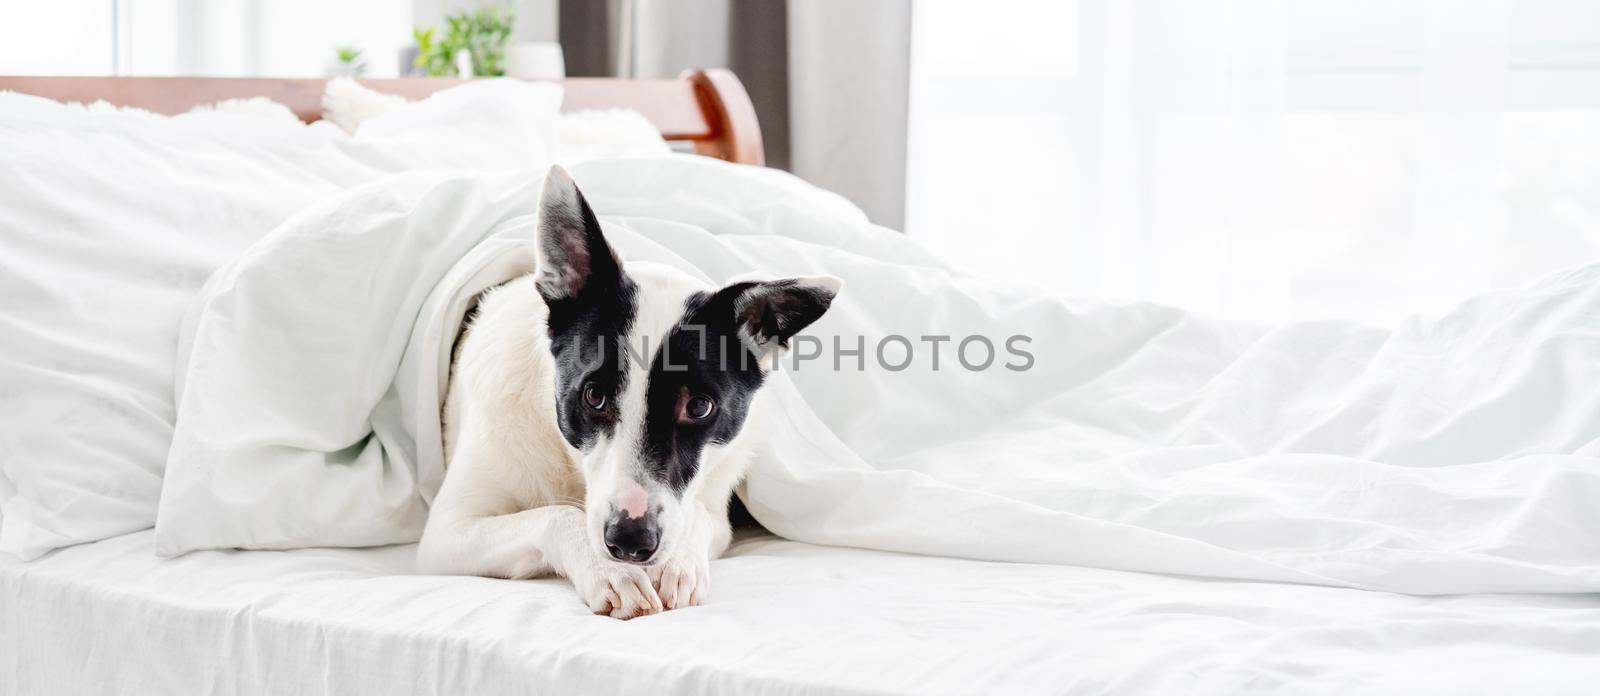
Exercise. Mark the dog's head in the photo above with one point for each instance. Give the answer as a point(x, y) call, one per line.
point(656, 372)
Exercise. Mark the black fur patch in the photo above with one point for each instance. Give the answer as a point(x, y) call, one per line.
point(703, 356)
point(592, 306)
point(586, 351)
point(774, 311)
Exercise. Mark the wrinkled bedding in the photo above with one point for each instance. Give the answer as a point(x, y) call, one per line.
point(786, 617)
point(111, 220)
point(1309, 503)
point(1452, 454)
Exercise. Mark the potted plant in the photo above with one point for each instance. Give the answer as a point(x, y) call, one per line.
point(347, 62)
point(482, 34)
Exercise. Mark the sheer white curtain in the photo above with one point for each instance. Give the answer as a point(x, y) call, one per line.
point(1261, 159)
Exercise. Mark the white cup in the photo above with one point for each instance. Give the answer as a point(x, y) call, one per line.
point(535, 60)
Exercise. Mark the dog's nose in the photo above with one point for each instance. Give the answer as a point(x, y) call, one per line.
point(632, 539)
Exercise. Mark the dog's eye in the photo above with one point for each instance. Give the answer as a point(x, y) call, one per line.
point(593, 397)
point(700, 408)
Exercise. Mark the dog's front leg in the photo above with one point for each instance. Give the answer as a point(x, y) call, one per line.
point(531, 543)
point(684, 578)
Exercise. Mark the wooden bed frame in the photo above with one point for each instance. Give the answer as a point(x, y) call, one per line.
point(709, 108)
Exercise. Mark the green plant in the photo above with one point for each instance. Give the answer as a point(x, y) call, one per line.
point(350, 57)
point(483, 33)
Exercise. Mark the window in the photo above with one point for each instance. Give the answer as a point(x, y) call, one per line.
point(283, 38)
point(1263, 160)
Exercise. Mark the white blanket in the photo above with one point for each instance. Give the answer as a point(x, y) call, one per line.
point(1460, 454)
point(110, 221)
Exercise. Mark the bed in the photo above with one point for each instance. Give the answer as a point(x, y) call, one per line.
point(789, 618)
point(975, 602)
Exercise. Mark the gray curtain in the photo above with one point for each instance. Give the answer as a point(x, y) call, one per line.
point(828, 77)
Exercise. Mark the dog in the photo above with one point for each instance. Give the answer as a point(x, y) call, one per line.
point(599, 415)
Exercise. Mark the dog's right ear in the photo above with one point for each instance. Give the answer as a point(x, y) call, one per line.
point(574, 255)
point(769, 313)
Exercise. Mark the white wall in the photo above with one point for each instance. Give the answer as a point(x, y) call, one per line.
point(71, 37)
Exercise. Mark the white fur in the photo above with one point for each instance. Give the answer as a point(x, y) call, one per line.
point(253, 106)
point(347, 104)
point(515, 492)
point(261, 107)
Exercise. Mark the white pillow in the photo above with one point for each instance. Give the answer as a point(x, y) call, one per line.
point(580, 135)
point(483, 125)
point(109, 222)
point(596, 133)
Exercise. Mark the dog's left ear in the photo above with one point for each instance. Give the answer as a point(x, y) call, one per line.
point(769, 313)
point(575, 258)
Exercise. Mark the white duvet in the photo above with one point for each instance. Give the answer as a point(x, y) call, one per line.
point(1450, 455)
point(111, 220)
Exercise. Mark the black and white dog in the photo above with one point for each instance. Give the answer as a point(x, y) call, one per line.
point(598, 418)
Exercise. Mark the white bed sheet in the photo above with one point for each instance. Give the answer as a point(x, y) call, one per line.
point(785, 617)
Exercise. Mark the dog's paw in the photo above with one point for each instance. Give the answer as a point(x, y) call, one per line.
point(618, 590)
point(681, 582)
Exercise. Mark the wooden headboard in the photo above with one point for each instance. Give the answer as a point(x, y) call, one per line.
point(706, 107)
